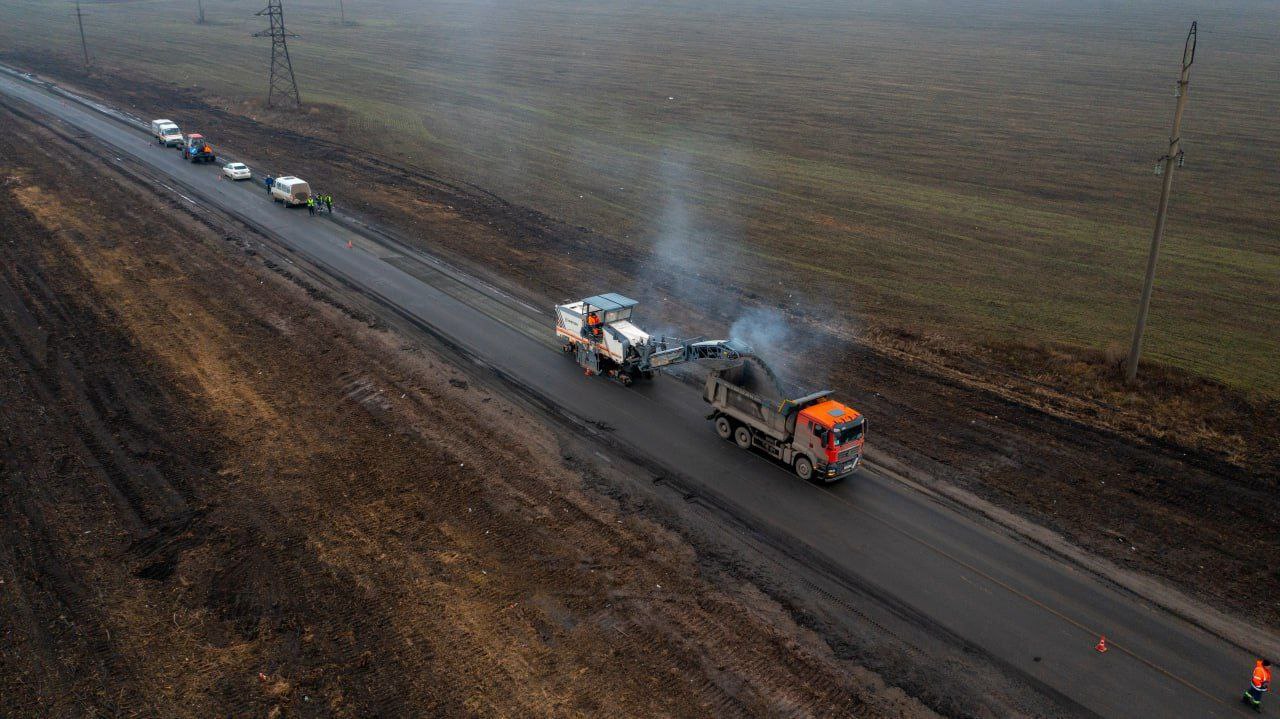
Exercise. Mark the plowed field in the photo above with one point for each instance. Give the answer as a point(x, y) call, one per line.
point(222, 497)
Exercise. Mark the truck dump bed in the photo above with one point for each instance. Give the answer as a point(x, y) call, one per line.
point(750, 393)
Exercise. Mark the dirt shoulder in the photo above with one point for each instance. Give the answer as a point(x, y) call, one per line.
point(1176, 478)
point(223, 497)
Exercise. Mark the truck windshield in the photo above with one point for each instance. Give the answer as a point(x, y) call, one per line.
point(846, 433)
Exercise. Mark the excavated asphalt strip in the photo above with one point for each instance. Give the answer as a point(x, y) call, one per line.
point(988, 589)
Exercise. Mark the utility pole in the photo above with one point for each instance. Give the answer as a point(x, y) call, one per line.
point(342, 14)
point(282, 85)
point(84, 46)
point(1164, 166)
point(200, 12)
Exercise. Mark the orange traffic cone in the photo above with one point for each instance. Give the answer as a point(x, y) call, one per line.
point(1102, 645)
point(348, 244)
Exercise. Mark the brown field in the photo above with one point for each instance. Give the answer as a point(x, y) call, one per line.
point(1019, 424)
point(980, 167)
point(1010, 400)
point(220, 496)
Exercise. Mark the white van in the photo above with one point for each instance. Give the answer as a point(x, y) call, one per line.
point(166, 133)
point(290, 190)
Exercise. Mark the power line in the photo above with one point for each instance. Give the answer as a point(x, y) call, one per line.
point(1164, 166)
point(282, 86)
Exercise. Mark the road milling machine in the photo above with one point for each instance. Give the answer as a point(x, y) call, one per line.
point(600, 335)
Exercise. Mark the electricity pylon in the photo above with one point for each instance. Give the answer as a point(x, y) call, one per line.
point(282, 87)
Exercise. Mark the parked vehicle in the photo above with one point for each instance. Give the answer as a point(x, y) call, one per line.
point(237, 171)
point(197, 149)
point(290, 190)
point(166, 133)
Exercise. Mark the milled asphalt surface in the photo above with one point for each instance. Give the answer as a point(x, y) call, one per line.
point(939, 568)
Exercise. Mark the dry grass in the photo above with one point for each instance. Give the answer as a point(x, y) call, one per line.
point(982, 167)
point(1167, 406)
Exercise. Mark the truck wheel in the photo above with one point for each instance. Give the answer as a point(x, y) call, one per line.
point(742, 437)
point(804, 468)
point(724, 428)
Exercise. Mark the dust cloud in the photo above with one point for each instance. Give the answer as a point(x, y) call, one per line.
point(690, 256)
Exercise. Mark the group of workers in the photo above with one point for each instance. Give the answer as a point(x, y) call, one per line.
point(322, 203)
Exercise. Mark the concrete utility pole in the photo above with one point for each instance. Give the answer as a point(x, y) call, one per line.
point(1164, 166)
point(84, 46)
point(200, 12)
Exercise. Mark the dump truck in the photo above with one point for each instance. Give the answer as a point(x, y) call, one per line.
point(599, 334)
point(197, 149)
point(818, 438)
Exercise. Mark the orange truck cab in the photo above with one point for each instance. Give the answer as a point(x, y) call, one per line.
point(834, 434)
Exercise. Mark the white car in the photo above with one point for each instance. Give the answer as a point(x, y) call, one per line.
point(237, 171)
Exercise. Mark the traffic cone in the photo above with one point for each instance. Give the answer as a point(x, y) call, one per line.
point(348, 244)
point(1102, 645)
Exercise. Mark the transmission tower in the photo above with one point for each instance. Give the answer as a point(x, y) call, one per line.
point(84, 46)
point(342, 14)
point(282, 87)
point(1164, 166)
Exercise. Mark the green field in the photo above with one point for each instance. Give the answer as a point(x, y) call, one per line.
point(984, 166)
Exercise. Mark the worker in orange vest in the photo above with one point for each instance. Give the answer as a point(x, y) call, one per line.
point(593, 324)
point(1260, 683)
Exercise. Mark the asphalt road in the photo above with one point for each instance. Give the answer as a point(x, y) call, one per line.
point(938, 569)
